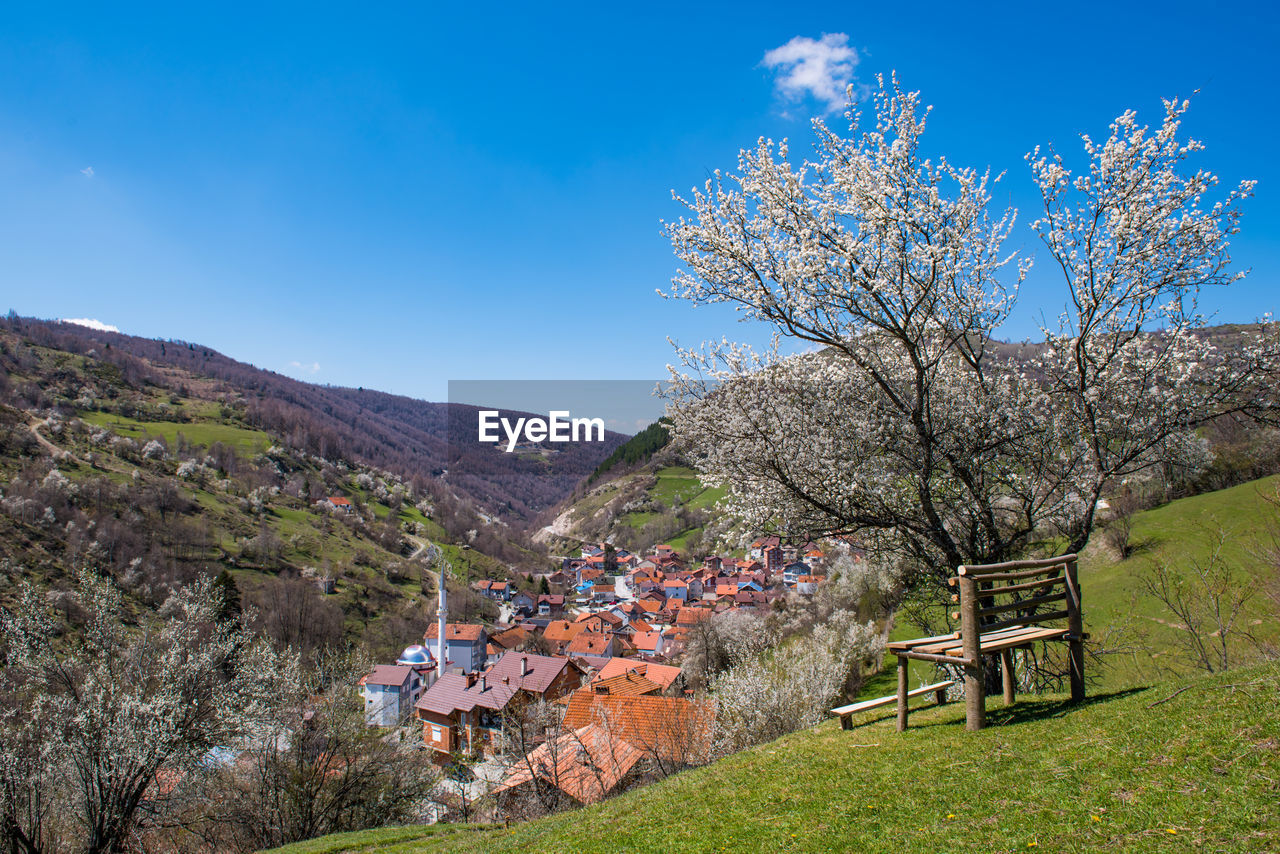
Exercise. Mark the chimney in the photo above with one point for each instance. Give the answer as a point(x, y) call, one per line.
point(524, 666)
point(484, 683)
point(471, 679)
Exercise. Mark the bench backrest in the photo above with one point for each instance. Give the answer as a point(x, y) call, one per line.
point(1020, 592)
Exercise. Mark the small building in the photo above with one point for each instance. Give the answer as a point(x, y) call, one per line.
point(592, 644)
point(464, 712)
point(389, 693)
point(466, 645)
point(668, 678)
point(497, 590)
point(550, 604)
point(791, 572)
point(524, 603)
point(337, 502)
point(558, 634)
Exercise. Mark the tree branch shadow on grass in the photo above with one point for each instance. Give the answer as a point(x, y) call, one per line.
point(1026, 710)
point(1036, 709)
point(1140, 547)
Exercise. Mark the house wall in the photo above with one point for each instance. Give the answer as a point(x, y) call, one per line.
point(438, 732)
point(382, 705)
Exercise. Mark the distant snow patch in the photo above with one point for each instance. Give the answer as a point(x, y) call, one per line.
point(90, 323)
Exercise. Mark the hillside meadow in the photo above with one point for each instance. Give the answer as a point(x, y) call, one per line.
point(1185, 765)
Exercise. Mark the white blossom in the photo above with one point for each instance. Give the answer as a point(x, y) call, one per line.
point(906, 423)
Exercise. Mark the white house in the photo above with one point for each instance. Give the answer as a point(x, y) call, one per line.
point(389, 694)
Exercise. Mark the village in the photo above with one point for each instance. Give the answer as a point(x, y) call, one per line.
point(599, 657)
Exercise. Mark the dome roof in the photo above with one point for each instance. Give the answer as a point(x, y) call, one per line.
point(416, 654)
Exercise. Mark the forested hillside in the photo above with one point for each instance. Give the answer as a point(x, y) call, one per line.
point(414, 439)
point(154, 474)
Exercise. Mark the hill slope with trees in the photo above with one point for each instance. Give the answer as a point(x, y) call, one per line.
point(156, 475)
point(414, 439)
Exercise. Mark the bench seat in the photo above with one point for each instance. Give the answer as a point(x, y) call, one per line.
point(952, 645)
point(846, 713)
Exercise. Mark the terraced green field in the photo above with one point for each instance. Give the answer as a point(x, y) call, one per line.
point(243, 440)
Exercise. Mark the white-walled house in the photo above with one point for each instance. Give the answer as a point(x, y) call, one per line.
point(389, 694)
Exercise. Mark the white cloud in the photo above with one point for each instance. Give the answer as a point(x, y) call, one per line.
point(87, 171)
point(91, 323)
point(312, 368)
point(822, 68)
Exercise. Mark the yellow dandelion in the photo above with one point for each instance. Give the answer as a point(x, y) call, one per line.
point(1171, 830)
point(951, 815)
point(1096, 817)
point(1032, 844)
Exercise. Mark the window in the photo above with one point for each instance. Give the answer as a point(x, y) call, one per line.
point(436, 733)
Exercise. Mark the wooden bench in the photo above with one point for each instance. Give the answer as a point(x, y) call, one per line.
point(991, 626)
point(846, 713)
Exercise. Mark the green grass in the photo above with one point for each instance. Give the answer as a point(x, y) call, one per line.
point(678, 485)
point(680, 541)
point(1138, 770)
point(244, 441)
point(1175, 533)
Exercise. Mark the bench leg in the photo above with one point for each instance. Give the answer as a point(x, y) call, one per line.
point(902, 693)
point(846, 722)
point(941, 696)
point(1076, 654)
point(1006, 671)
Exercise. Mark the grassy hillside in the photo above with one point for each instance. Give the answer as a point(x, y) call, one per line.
point(660, 502)
point(1189, 529)
point(1141, 770)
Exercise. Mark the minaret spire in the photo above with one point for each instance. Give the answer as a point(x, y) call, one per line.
point(441, 614)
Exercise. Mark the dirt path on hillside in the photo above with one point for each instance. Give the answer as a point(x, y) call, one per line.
point(34, 424)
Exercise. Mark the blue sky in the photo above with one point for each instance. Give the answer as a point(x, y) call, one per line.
point(399, 195)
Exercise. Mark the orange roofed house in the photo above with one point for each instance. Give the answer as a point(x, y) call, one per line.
point(608, 738)
point(667, 677)
point(464, 712)
point(672, 730)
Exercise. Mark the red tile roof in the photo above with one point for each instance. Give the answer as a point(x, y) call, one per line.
point(690, 616)
point(590, 643)
point(662, 674)
point(511, 638)
point(630, 683)
point(394, 675)
point(455, 631)
point(585, 764)
point(501, 682)
point(562, 631)
point(667, 727)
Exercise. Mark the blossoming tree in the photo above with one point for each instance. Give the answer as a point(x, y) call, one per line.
point(99, 726)
point(906, 422)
